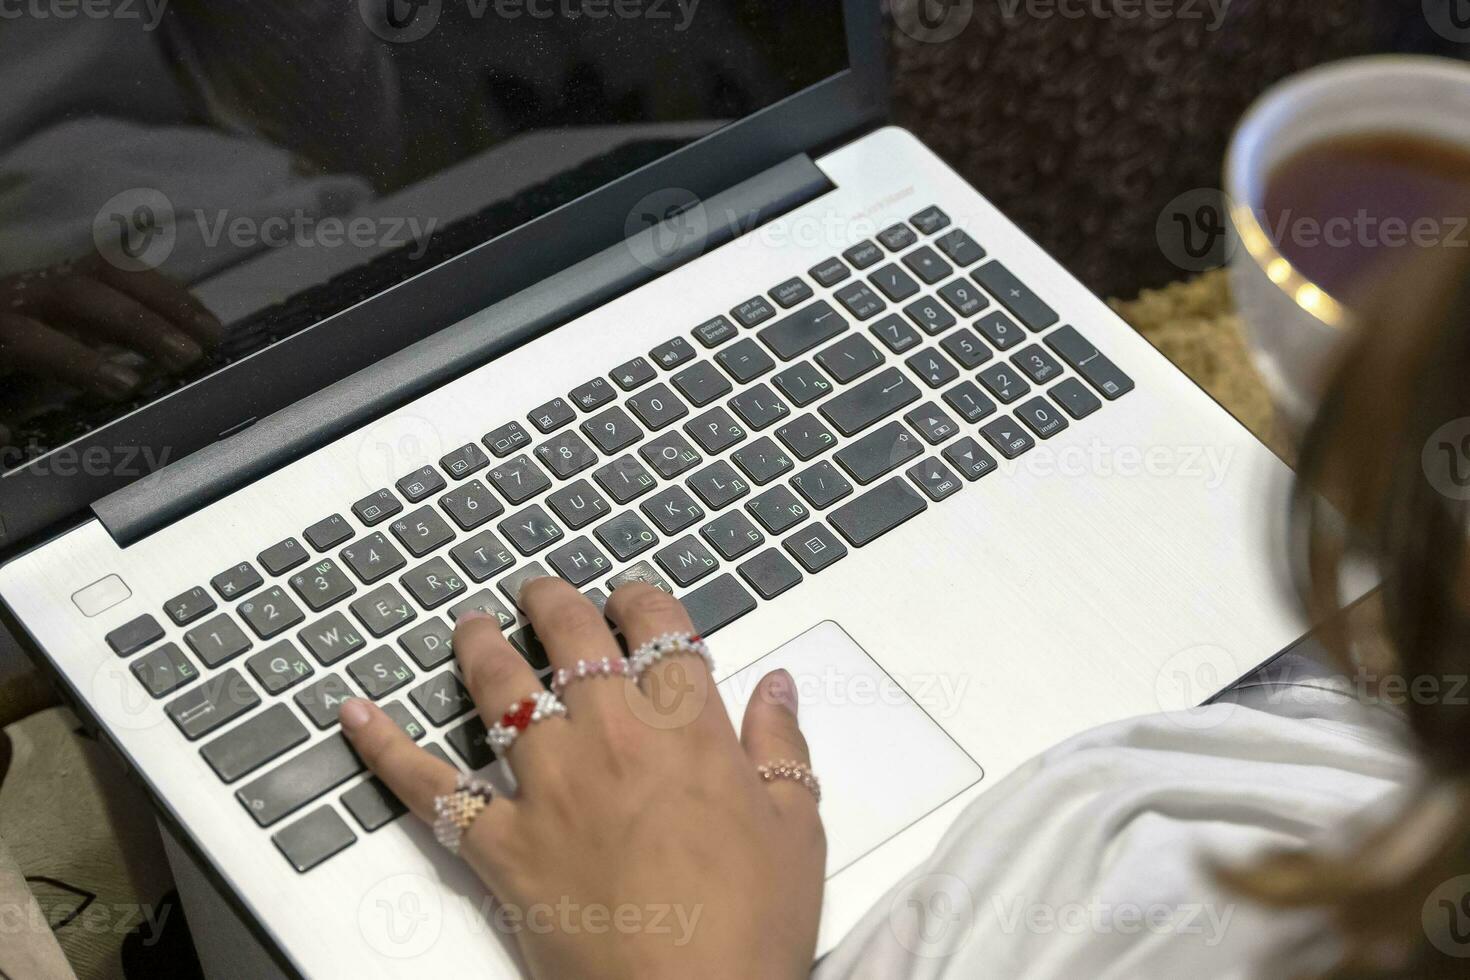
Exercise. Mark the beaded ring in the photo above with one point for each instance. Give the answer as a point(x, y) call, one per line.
point(454, 812)
point(521, 716)
point(797, 772)
point(606, 667)
point(668, 645)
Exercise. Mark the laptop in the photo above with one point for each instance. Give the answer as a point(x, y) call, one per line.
point(791, 368)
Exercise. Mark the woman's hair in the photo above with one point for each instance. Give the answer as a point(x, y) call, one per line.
point(1384, 485)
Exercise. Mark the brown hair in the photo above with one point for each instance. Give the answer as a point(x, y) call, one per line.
point(1371, 489)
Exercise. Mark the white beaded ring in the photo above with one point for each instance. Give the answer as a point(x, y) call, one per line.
point(668, 645)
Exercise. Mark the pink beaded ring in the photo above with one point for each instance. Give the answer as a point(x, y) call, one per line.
point(587, 669)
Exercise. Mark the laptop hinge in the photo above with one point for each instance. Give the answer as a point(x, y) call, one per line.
point(678, 229)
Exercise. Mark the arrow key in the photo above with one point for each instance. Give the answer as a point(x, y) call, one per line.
point(932, 423)
point(935, 479)
point(972, 461)
point(1009, 439)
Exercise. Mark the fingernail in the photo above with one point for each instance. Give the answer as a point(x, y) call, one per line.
point(781, 687)
point(355, 714)
point(472, 615)
point(116, 381)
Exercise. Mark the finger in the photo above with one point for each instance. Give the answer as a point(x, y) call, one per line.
point(572, 629)
point(92, 306)
point(414, 776)
point(771, 733)
point(498, 678)
point(37, 349)
point(680, 686)
point(165, 297)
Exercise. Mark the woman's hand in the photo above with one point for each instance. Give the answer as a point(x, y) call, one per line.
point(641, 798)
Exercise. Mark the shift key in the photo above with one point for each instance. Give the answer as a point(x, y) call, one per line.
point(291, 786)
point(870, 402)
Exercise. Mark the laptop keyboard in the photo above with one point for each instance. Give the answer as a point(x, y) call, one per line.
point(745, 457)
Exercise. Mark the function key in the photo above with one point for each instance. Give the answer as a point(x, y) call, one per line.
point(960, 247)
point(634, 374)
point(133, 636)
point(927, 265)
point(896, 284)
point(897, 237)
point(376, 508)
point(189, 606)
point(1007, 437)
point(863, 255)
point(593, 394)
point(670, 355)
point(815, 547)
point(1025, 305)
point(281, 558)
point(328, 533)
point(1087, 361)
point(792, 291)
point(830, 272)
point(713, 333)
point(462, 462)
point(421, 483)
point(1042, 417)
point(506, 439)
point(164, 671)
point(860, 301)
point(1073, 396)
point(753, 311)
point(553, 415)
point(930, 220)
point(239, 580)
point(933, 424)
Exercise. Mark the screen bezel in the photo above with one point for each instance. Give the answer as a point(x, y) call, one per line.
point(58, 487)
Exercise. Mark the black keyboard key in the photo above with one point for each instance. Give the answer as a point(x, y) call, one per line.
point(1008, 438)
point(328, 533)
point(770, 573)
point(566, 455)
point(134, 635)
point(895, 333)
point(422, 531)
point(719, 330)
point(778, 510)
point(217, 641)
point(877, 512)
point(383, 610)
point(430, 643)
point(464, 461)
point(970, 459)
point(897, 237)
point(471, 505)
point(715, 430)
point(553, 415)
point(850, 358)
point(598, 598)
point(815, 548)
point(745, 361)
point(935, 479)
point(482, 556)
point(718, 485)
point(716, 605)
point(966, 348)
point(372, 558)
point(930, 220)
point(1013, 294)
point(930, 314)
point(933, 367)
point(753, 311)
point(247, 747)
point(803, 384)
point(657, 407)
point(1041, 417)
point(799, 332)
point(331, 639)
point(244, 578)
point(519, 479)
point(1039, 366)
point(1000, 330)
point(531, 530)
point(404, 720)
point(687, 561)
point(380, 673)
point(299, 780)
point(433, 583)
point(969, 401)
point(960, 247)
point(612, 431)
point(373, 805)
point(213, 702)
point(626, 536)
point(164, 670)
point(634, 374)
point(592, 395)
point(1004, 382)
point(670, 455)
point(314, 838)
point(821, 485)
point(673, 510)
point(320, 700)
point(863, 255)
point(758, 407)
point(578, 505)
point(894, 283)
point(963, 298)
point(791, 292)
point(321, 585)
point(877, 453)
point(377, 507)
point(701, 383)
point(640, 572)
point(871, 401)
point(932, 423)
point(1087, 361)
point(861, 301)
point(469, 742)
point(830, 273)
point(732, 535)
point(674, 353)
point(1075, 397)
point(442, 699)
point(507, 439)
point(279, 667)
point(485, 602)
point(579, 561)
point(927, 265)
point(624, 479)
point(270, 613)
point(762, 461)
point(188, 606)
point(421, 484)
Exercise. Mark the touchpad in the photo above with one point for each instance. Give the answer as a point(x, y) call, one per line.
point(883, 763)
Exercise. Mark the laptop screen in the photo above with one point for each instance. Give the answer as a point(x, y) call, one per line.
point(184, 183)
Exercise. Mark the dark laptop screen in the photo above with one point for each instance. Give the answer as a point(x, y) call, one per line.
point(185, 182)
